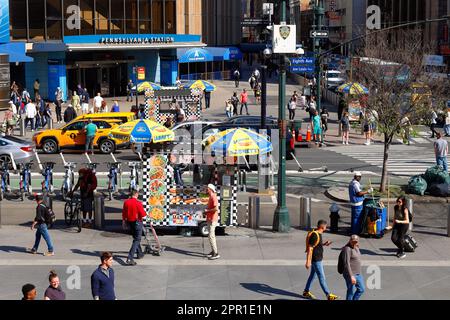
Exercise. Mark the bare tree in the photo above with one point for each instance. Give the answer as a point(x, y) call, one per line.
point(391, 65)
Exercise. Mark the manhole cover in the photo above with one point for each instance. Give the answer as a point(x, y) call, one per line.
point(113, 235)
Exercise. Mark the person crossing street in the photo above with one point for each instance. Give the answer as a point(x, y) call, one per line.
point(132, 215)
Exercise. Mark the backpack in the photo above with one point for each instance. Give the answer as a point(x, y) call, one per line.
point(49, 216)
point(309, 236)
point(341, 262)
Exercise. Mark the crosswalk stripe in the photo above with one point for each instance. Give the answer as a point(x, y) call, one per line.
point(403, 160)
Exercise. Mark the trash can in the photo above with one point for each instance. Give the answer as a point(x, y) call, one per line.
point(99, 212)
point(254, 206)
point(305, 213)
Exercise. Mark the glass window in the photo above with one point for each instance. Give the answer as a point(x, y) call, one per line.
point(36, 9)
point(87, 16)
point(102, 124)
point(131, 17)
point(102, 16)
point(54, 16)
point(70, 25)
point(76, 126)
point(170, 16)
point(145, 14)
point(117, 16)
point(157, 16)
point(18, 19)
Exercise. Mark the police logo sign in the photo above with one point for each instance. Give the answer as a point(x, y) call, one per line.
point(285, 31)
point(284, 39)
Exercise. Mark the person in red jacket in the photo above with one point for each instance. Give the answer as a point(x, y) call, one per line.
point(87, 182)
point(132, 215)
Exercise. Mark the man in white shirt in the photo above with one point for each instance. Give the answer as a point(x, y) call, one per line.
point(30, 113)
point(447, 124)
point(97, 104)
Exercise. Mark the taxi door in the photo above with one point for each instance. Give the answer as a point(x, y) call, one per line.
point(73, 135)
point(103, 129)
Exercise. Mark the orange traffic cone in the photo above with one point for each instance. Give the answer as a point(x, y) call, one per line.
point(299, 136)
point(308, 134)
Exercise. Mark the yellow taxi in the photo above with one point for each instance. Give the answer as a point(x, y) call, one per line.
point(73, 136)
point(124, 117)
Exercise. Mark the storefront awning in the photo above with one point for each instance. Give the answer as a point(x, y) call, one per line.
point(208, 54)
point(16, 52)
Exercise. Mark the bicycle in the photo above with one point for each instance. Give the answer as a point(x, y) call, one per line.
point(69, 179)
point(47, 173)
point(134, 177)
point(114, 170)
point(72, 213)
point(25, 179)
point(5, 181)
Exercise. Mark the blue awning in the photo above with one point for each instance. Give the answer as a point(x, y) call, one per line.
point(208, 54)
point(16, 52)
point(194, 55)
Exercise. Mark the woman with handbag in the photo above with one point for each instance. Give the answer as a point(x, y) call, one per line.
point(401, 226)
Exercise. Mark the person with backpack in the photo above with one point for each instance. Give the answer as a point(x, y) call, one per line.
point(43, 217)
point(402, 218)
point(87, 183)
point(314, 257)
point(349, 265)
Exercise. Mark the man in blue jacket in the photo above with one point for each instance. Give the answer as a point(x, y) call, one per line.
point(102, 280)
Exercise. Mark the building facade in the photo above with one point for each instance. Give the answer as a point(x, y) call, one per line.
point(99, 43)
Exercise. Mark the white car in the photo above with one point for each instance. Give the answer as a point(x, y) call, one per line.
point(333, 79)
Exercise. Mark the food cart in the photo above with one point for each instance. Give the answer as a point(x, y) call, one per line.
point(160, 106)
point(356, 95)
point(170, 205)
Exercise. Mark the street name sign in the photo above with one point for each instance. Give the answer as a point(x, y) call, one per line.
point(324, 34)
point(302, 69)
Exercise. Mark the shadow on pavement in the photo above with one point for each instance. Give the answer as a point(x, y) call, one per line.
point(13, 249)
point(87, 253)
point(268, 290)
point(184, 252)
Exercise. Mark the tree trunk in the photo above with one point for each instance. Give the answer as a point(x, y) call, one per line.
point(384, 177)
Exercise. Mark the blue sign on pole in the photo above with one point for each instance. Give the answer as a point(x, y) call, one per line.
point(302, 69)
point(303, 61)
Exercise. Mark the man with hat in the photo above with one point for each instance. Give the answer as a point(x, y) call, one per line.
point(212, 219)
point(351, 268)
point(356, 196)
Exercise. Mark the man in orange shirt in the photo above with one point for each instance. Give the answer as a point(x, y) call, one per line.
point(212, 219)
point(132, 215)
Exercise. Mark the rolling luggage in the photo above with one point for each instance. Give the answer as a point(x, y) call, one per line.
point(410, 243)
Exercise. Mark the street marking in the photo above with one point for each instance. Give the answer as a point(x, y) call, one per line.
point(205, 262)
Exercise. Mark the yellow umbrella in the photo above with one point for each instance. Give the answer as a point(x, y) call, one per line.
point(238, 142)
point(202, 85)
point(144, 131)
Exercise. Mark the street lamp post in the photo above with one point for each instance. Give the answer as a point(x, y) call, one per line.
point(281, 221)
point(319, 13)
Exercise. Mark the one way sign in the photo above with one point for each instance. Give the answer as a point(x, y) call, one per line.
point(319, 34)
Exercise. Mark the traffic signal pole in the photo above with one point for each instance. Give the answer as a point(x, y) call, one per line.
point(319, 13)
point(281, 220)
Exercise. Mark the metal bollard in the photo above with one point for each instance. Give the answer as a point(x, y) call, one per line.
point(410, 206)
point(253, 212)
point(22, 126)
point(448, 222)
point(305, 213)
point(99, 212)
point(50, 123)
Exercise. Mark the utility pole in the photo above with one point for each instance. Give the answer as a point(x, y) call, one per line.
point(281, 221)
point(319, 13)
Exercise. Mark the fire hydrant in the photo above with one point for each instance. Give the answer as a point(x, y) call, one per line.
point(334, 218)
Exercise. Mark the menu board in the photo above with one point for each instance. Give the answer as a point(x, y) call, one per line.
point(157, 188)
